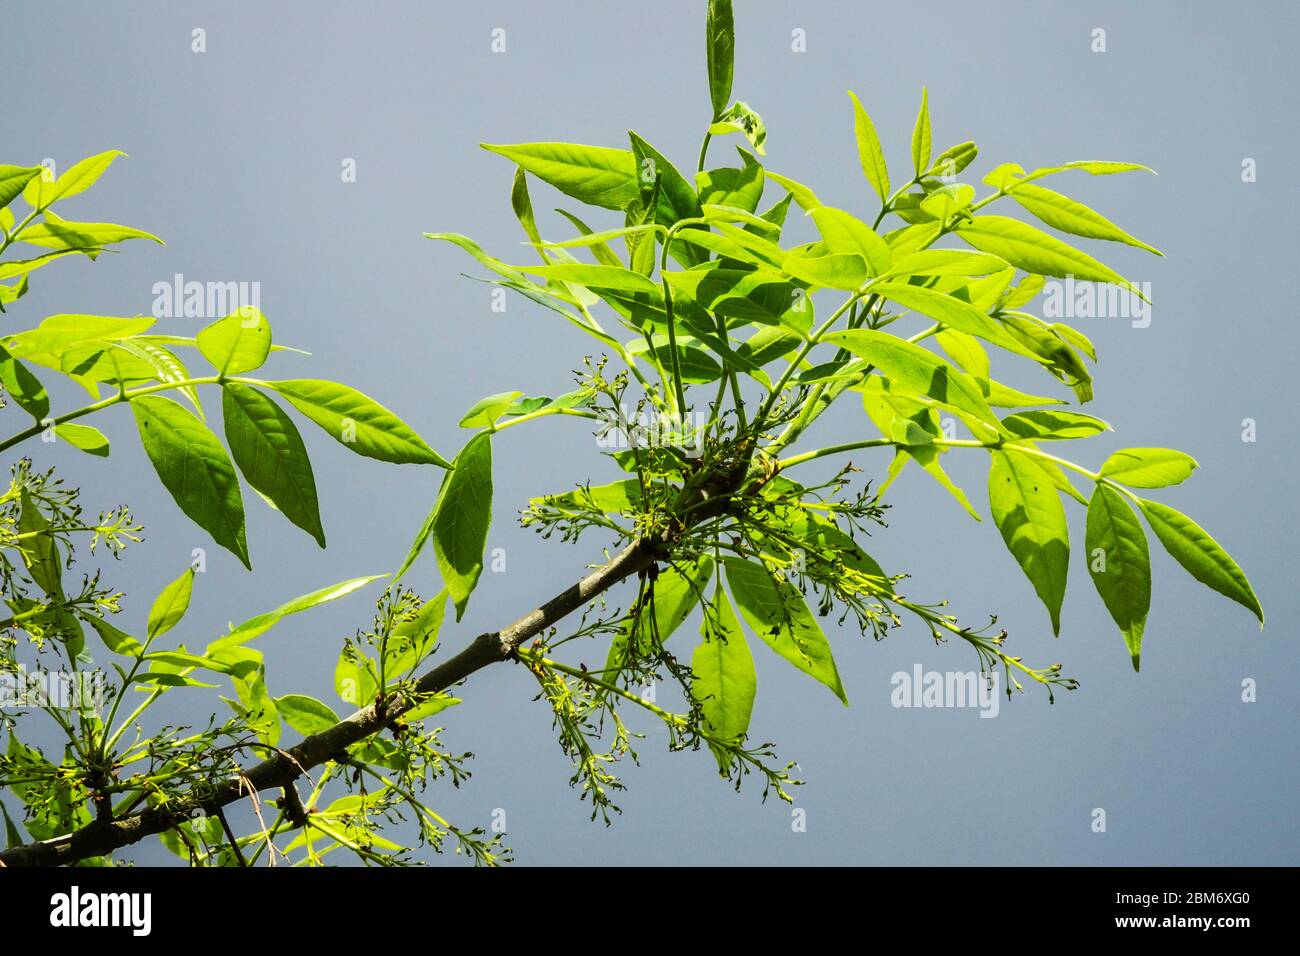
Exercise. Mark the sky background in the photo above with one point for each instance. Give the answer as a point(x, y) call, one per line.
point(235, 160)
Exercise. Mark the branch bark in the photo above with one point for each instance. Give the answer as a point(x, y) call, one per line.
point(103, 837)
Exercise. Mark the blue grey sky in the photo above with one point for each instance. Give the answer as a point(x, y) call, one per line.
point(235, 160)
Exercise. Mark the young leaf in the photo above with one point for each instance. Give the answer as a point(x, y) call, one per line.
point(13, 179)
point(776, 612)
point(485, 412)
point(194, 468)
point(918, 370)
point(57, 233)
point(595, 175)
point(804, 197)
point(171, 604)
point(85, 437)
point(270, 453)
point(596, 277)
point(945, 262)
point(1029, 513)
point(846, 271)
point(307, 715)
point(846, 234)
point(358, 422)
point(23, 387)
point(725, 682)
point(1201, 556)
point(742, 118)
point(870, 154)
point(1120, 564)
point(677, 198)
point(1069, 215)
point(953, 160)
point(523, 207)
point(1033, 250)
point(720, 36)
point(116, 641)
point(740, 188)
point(1148, 467)
point(261, 623)
point(238, 343)
point(921, 137)
point(77, 178)
point(1044, 424)
point(464, 513)
point(40, 553)
point(951, 311)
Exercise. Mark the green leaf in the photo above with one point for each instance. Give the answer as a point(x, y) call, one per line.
point(846, 234)
point(836, 271)
point(918, 370)
point(1122, 570)
point(485, 412)
point(949, 310)
point(1201, 556)
point(725, 682)
point(595, 175)
point(194, 468)
point(676, 591)
point(739, 188)
point(901, 417)
point(1053, 425)
point(238, 343)
point(40, 553)
point(945, 262)
point(596, 277)
point(59, 334)
point(1033, 250)
point(744, 119)
point(260, 624)
point(953, 160)
point(776, 612)
point(464, 514)
point(307, 715)
point(720, 36)
point(1148, 467)
point(12, 837)
point(358, 422)
point(77, 178)
point(13, 179)
point(1029, 513)
point(677, 198)
point(804, 197)
point(1094, 167)
point(921, 137)
point(163, 365)
point(57, 233)
point(20, 268)
point(171, 604)
point(1069, 215)
point(116, 641)
point(603, 253)
point(23, 387)
point(435, 704)
point(271, 455)
point(523, 207)
point(86, 437)
point(870, 154)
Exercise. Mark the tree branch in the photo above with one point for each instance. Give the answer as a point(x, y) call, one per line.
point(101, 838)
